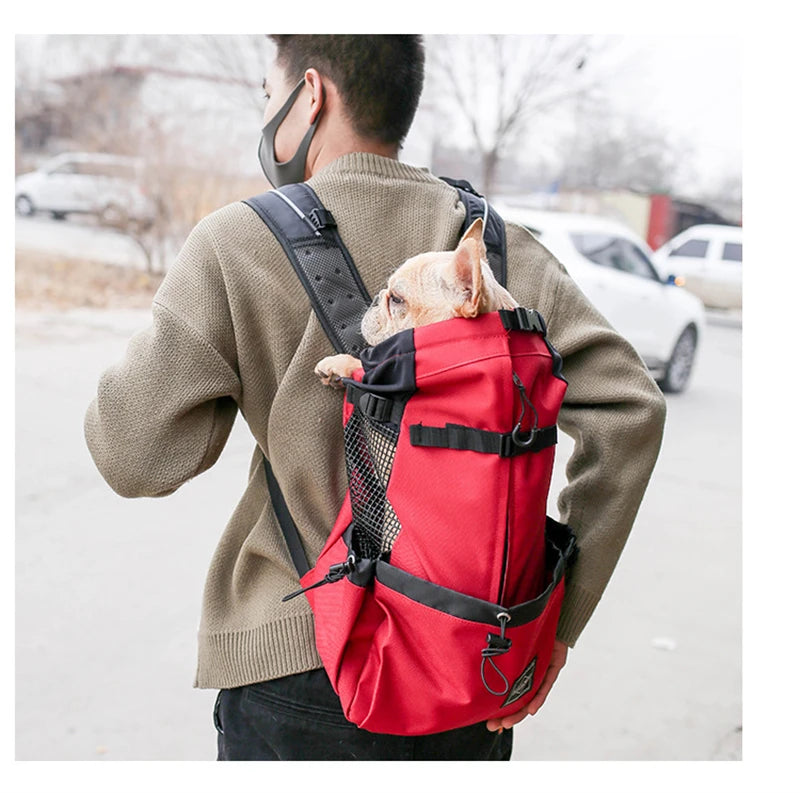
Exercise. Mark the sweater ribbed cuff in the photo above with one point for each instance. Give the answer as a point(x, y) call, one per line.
point(578, 607)
point(277, 649)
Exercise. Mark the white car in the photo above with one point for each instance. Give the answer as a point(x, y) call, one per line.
point(99, 184)
point(709, 257)
point(612, 267)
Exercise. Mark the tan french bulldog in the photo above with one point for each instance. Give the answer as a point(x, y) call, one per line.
point(430, 287)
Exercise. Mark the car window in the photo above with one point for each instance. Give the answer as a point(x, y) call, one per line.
point(108, 170)
point(67, 167)
point(695, 249)
point(86, 168)
point(732, 252)
point(615, 252)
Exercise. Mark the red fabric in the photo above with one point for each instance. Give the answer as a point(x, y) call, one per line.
point(399, 666)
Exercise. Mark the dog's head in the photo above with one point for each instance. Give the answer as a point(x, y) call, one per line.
point(433, 287)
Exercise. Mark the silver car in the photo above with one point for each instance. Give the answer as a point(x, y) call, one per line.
point(103, 185)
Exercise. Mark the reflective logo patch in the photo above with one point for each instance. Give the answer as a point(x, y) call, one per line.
point(523, 684)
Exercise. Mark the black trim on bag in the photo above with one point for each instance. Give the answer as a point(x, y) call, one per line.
point(561, 540)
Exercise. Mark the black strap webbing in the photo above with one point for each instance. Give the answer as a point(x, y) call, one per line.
point(286, 521)
point(457, 436)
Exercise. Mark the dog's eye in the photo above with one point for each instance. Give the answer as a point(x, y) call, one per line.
point(397, 300)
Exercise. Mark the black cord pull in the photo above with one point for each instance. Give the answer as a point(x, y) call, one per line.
point(335, 573)
point(515, 433)
point(496, 645)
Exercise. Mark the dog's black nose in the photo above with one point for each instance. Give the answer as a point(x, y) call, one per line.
point(376, 299)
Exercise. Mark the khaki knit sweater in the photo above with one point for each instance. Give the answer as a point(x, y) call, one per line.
point(233, 330)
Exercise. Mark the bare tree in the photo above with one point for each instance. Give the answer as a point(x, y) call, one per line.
point(241, 59)
point(496, 86)
point(608, 153)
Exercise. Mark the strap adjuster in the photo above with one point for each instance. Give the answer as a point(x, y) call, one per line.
point(320, 218)
point(376, 407)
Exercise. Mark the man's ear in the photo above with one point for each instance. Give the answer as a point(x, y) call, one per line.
point(317, 93)
point(467, 267)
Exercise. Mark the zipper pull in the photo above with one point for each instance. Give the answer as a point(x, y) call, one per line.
point(335, 573)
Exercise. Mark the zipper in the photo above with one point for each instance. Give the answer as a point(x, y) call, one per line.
point(505, 550)
point(506, 539)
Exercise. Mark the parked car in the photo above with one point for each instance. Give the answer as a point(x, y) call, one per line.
point(709, 257)
point(103, 185)
point(613, 268)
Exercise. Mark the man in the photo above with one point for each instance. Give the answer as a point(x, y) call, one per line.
point(233, 330)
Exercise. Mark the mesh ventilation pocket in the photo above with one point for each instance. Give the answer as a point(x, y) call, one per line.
point(369, 448)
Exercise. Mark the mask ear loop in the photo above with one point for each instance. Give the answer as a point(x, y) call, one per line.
point(284, 171)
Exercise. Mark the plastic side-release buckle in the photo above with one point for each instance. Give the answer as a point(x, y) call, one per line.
point(523, 319)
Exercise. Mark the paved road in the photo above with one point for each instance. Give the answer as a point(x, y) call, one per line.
point(78, 236)
point(108, 590)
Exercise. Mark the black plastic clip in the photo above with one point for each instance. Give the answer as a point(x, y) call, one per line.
point(523, 319)
point(320, 218)
point(376, 407)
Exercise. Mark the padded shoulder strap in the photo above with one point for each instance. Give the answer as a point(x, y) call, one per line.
point(494, 229)
point(307, 232)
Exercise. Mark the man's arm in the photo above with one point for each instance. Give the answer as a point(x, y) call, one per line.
point(163, 414)
point(615, 412)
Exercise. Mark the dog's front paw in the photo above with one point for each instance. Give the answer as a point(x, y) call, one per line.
point(332, 369)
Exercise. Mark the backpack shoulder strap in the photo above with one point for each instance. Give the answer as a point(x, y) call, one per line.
point(307, 232)
point(494, 229)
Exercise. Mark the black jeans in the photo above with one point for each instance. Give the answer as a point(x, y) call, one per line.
point(299, 717)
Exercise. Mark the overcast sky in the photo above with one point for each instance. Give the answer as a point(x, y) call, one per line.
point(693, 85)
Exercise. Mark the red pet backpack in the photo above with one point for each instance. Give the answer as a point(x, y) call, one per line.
point(437, 595)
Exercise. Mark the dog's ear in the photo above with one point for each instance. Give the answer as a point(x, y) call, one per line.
point(467, 266)
point(475, 232)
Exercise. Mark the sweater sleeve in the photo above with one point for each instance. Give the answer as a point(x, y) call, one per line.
point(615, 412)
point(162, 415)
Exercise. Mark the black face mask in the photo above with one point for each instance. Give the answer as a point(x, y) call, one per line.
point(293, 170)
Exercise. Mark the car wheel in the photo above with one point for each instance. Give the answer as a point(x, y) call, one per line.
point(113, 215)
point(24, 206)
point(679, 368)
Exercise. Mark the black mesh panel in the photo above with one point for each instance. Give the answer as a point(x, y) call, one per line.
point(336, 289)
point(369, 448)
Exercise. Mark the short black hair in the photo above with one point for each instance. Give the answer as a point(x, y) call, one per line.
point(379, 77)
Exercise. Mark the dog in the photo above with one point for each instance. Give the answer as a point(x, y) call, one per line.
point(431, 287)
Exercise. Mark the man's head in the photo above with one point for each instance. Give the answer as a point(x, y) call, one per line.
point(361, 90)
